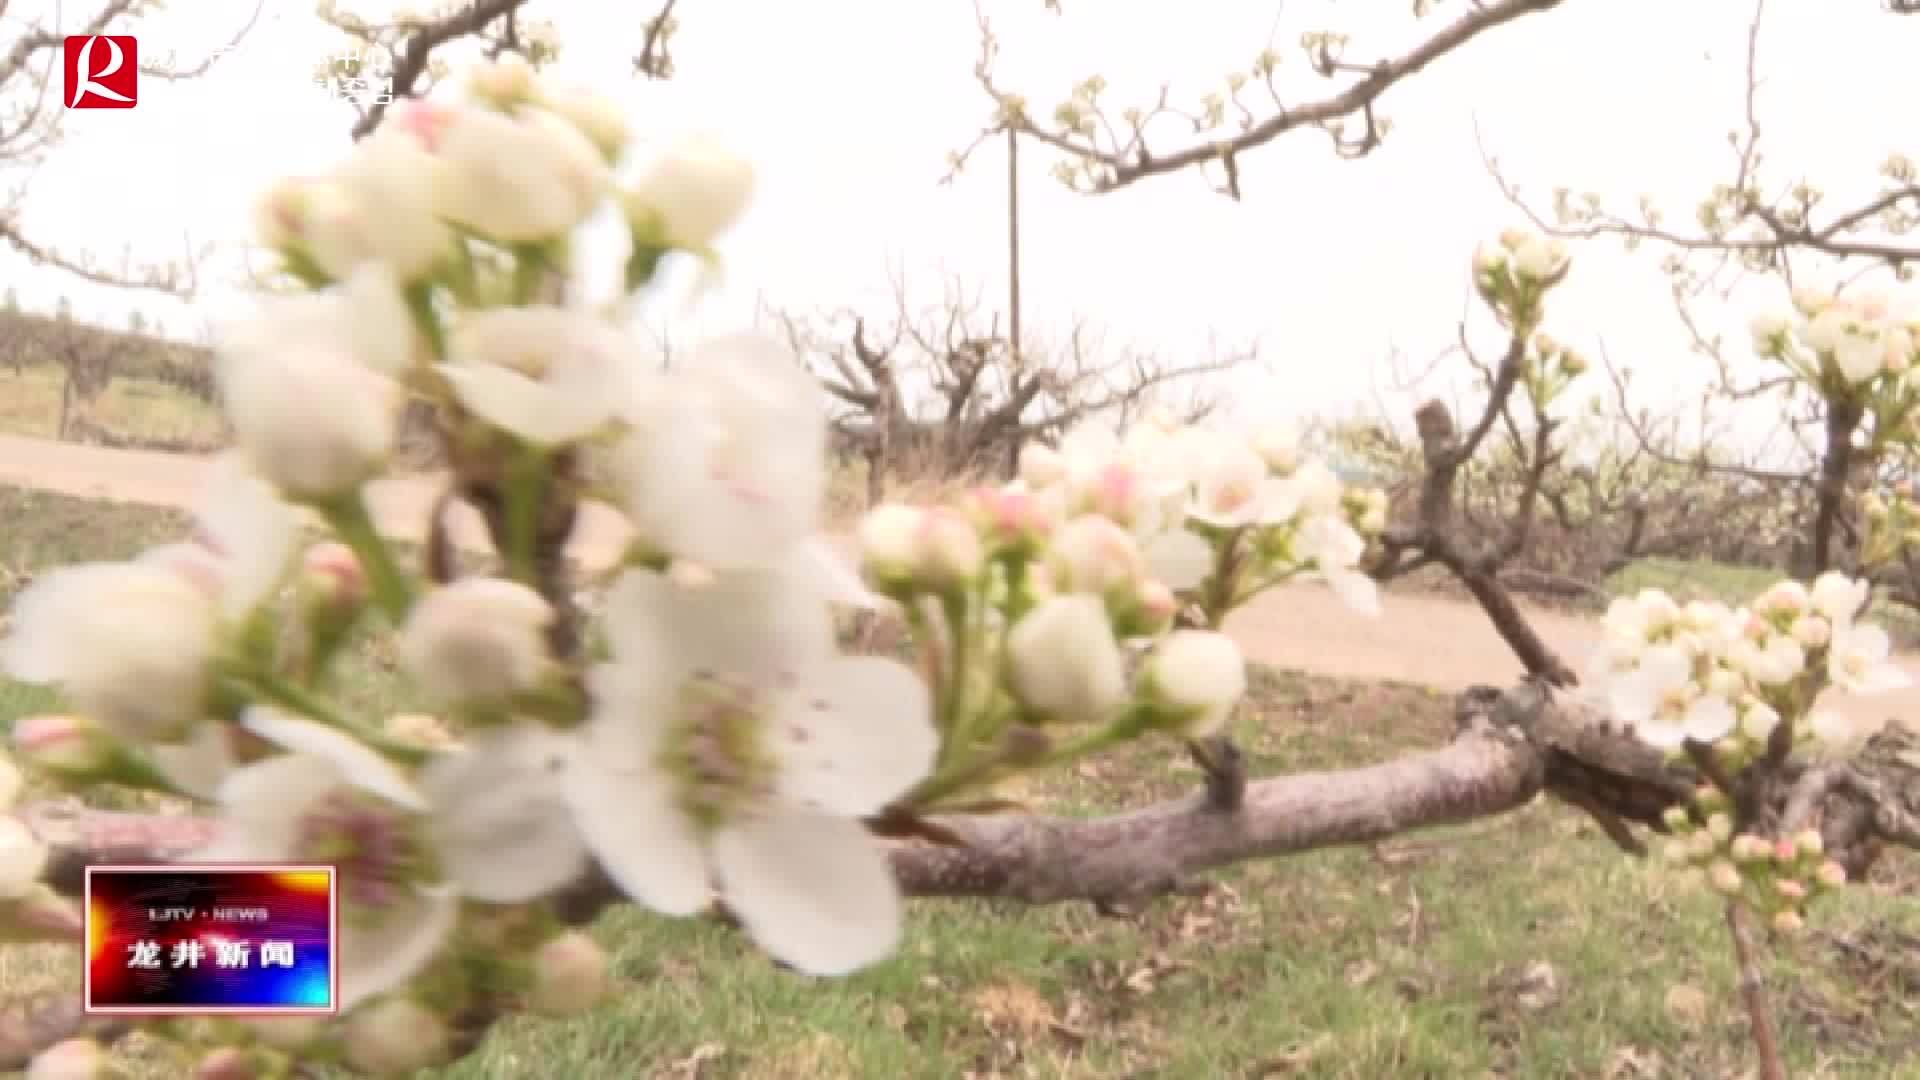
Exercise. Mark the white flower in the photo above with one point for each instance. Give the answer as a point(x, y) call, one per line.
point(488, 816)
point(1041, 465)
point(22, 858)
point(378, 206)
point(597, 116)
point(1178, 559)
point(1063, 660)
point(128, 644)
point(1838, 597)
point(888, 536)
point(1539, 257)
point(1232, 486)
point(477, 639)
point(731, 747)
point(1777, 660)
point(691, 195)
point(1279, 446)
point(1335, 550)
point(1312, 488)
point(1198, 673)
point(1768, 329)
point(519, 177)
point(1091, 554)
point(1664, 706)
point(304, 389)
point(727, 465)
point(1758, 720)
point(1786, 597)
point(1853, 343)
point(548, 376)
point(1858, 660)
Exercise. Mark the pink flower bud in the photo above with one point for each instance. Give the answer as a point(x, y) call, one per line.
point(1785, 851)
point(71, 1059)
point(569, 975)
point(1812, 631)
point(887, 539)
point(1041, 465)
point(1720, 827)
point(331, 570)
point(62, 744)
point(947, 549)
point(1810, 843)
point(1114, 491)
point(1748, 848)
point(1790, 889)
point(1091, 554)
point(1010, 521)
point(1788, 922)
point(1831, 875)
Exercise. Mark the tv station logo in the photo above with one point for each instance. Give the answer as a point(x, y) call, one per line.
point(215, 939)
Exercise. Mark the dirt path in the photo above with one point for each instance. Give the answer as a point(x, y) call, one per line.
point(1421, 638)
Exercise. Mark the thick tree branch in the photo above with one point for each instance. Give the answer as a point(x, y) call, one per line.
point(411, 62)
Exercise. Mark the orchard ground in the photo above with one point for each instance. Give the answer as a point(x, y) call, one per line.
point(1519, 946)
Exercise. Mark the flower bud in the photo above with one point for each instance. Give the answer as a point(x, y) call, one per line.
point(1811, 843)
point(1702, 844)
point(693, 194)
point(1678, 819)
point(1677, 852)
point(1782, 598)
point(1790, 889)
point(887, 537)
point(504, 82)
point(225, 1063)
point(1063, 661)
point(1720, 827)
point(396, 1035)
point(1115, 491)
point(569, 975)
point(1091, 554)
point(1196, 676)
point(1149, 612)
point(1724, 877)
point(73, 1059)
point(1831, 875)
point(1788, 922)
point(62, 744)
point(1748, 848)
point(1812, 631)
point(1574, 364)
point(1785, 851)
point(1041, 465)
point(1710, 799)
point(1013, 523)
point(477, 640)
point(1810, 302)
point(947, 549)
point(1279, 446)
point(331, 577)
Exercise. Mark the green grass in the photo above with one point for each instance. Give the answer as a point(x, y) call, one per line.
point(132, 406)
point(1522, 946)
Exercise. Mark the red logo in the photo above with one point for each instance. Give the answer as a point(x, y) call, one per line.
point(102, 71)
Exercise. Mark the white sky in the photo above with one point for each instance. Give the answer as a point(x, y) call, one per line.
point(850, 106)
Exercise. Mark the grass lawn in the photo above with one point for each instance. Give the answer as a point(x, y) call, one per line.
point(132, 406)
point(1523, 946)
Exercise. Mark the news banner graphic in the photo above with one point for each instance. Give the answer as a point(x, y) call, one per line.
point(100, 71)
point(199, 940)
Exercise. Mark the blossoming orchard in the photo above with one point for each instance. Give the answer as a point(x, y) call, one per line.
point(695, 736)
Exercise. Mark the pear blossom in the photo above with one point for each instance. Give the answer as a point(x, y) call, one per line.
point(1198, 674)
point(1279, 446)
point(1335, 550)
point(477, 640)
point(1858, 661)
point(1091, 554)
point(1851, 340)
point(520, 176)
point(1041, 465)
point(1232, 486)
point(22, 858)
point(548, 376)
point(1540, 258)
point(306, 385)
point(1837, 597)
point(887, 535)
point(727, 463)
point(1665, 706)
point(396, 1036)
point(691, 195)
point(731, 748)
point(1063, 661)
point(129, 644)
point(377, 206)
point(485, 822)
point(569, 975)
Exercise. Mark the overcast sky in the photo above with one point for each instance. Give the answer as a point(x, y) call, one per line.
point(850, 107)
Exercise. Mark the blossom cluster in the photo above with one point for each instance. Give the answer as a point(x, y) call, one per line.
point(713, 745)
point(1777, 876)
point(1726, 677)
point(1843, 341)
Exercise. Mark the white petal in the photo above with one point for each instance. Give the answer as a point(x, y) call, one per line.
point(526, 408)
point(251, 528)
point(22, 857)
point(761, 625)
point(1179, 559)
point(1660, 735)
point(857, 736)
point(500, 823)
point(199, 764)
point(625, 811)
point(842, 583)
point(359, 764)
point(1357, 591)
point(262, 805)
point(1709, 719)
point(815, 891)
point(375, 959)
